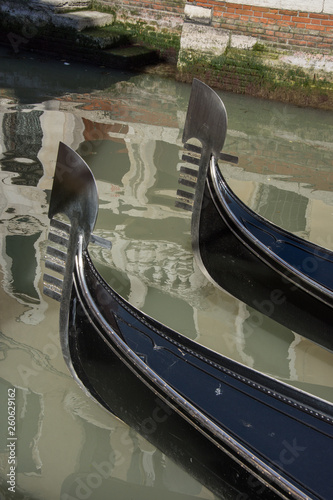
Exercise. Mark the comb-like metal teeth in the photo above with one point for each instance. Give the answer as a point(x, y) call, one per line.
point(184, 206)
point(194, 160)
point(52, 281)
point(223, 156)
point(55, 260)
point(60, 225)
point(102, 242)
point(189, 171)
point(52, 293)
point(188, 177)
point(59, 239)
point(57, 254)
point(55, 266)
point(52, 287)
point(187, 182)
point(229, 158)
point(63, 227)
point(59, 232)
point(185, 200)
point(185, 194)
point(193, 148)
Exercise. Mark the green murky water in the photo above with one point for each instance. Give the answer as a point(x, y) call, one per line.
point(128, 128)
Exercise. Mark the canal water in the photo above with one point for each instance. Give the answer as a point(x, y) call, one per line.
point(128, 127)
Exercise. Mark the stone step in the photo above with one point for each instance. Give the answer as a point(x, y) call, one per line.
point(80, 20)
point(75, 35)
point(41, 9)
point(131, 57)
point(94, 39)
point(56, 12)
point(55, 6)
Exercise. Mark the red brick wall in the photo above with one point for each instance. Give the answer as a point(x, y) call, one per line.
point(283, 28)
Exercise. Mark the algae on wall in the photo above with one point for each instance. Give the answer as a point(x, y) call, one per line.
point(256, 72)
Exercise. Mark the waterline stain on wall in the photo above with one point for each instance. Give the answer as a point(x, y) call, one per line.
point(260, 48)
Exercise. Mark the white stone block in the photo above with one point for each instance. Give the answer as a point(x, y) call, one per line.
point(204, 39)
point(196, 14)
point(242, 41)
point(302, 5)
point(328, 7)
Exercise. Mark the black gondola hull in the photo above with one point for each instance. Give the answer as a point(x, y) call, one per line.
point(251, 277)
point(276, 432)
point(216, 417)
point(117, 387)
point(276, 272)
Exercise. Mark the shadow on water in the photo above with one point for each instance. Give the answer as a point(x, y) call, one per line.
point(32, 78)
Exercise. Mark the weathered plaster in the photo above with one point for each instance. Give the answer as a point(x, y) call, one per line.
point(212, 41)
point(328, 7)
point(204, 39)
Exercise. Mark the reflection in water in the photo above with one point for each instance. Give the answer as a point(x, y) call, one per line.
point(129, 132)
point(120, 461)
point(28, 424)
point(22, 135)
point(23, 278)
point(284, 208)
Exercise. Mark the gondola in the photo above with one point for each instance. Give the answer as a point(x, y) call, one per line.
point(240, 432)
point(277, 273)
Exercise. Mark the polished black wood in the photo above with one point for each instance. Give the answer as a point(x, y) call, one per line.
point(117, 387)
point(282, 276)
point(280, 434)
point(274, 271)
point(237, 430)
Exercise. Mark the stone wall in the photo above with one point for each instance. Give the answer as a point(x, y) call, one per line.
point(164, 13)
point(305, 24)
point(295, 25)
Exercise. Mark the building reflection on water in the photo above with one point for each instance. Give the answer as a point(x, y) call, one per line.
point(132, 141)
